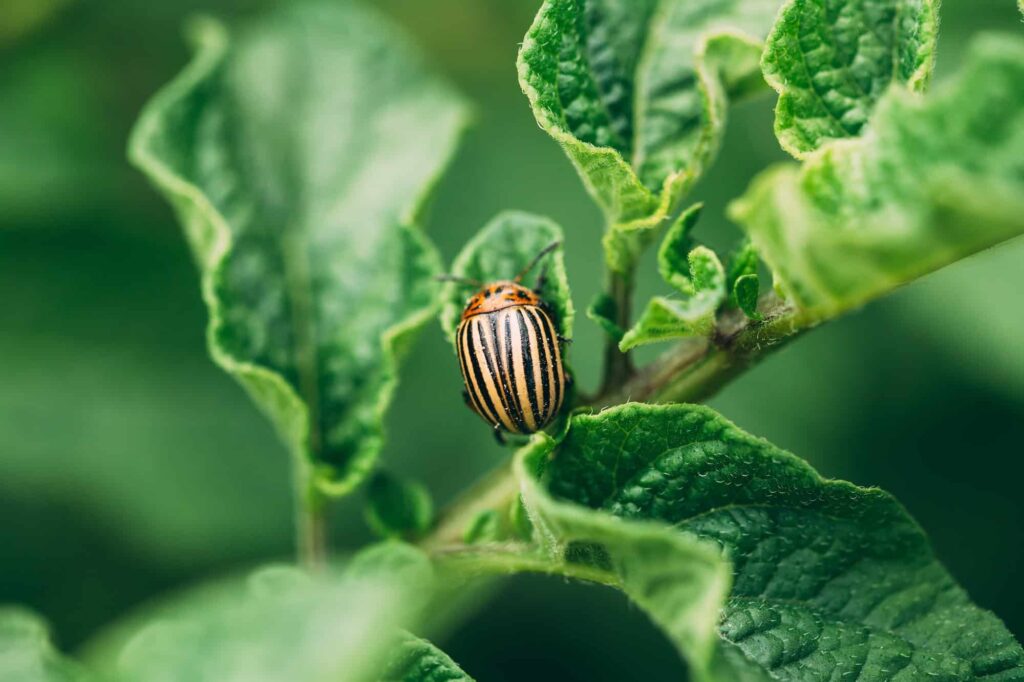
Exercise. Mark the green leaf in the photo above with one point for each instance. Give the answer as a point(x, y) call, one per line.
point(485, 527)
point(679, 580)
point(745, 292)
point(829, 580)
point(603, 310)
point(673, 256)
point(298, 157)
point(832, 61)
point(635, 93)
point(694, 315)
point(339, 625)
point(500, 251)
point(742, 281)
point(397, 507)
point(417, 660)
point(26, 654)
point(933, 179)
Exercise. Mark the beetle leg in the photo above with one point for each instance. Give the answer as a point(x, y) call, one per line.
point(542, 279)
point(498, 435)
point(465, 398)
point(562, 339)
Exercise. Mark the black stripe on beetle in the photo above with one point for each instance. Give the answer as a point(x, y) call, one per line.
point(510, 356)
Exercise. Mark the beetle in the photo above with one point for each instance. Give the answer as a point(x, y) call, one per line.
point(510, 353)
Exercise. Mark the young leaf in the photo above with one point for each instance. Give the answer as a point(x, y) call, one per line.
point(635, 93)
point(485, 527)
point(26, 653)
point(500, 251)
point(397, 507)
point(742, 281)
point(298, 156)
point(745, 291)
point(341, 625)
point(673, 258)
point(604, 311)
point(933, 179)
point(417, 660)
point(828, 580)
point(703, 285)
point(832, 61)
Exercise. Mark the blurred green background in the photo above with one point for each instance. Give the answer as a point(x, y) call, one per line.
point(130, 465)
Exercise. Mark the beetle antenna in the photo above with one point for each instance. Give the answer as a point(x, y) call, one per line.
point(536, 259)
point(468, 281)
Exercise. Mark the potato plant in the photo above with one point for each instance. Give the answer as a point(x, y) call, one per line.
point(299, 152)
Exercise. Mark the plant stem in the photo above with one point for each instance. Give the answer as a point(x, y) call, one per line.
point(496, 490)
point(697, 368)
point(310, 520)
point(692, 371)
point(618, 365)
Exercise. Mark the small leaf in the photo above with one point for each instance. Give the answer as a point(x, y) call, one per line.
point(829, 580)
point(500, 251)
point(666, 318)
point(298, 156)
point(26, 653)
point(417, 660)
point(397, 507)
point(338, 625)
point(742, 281)
point(933, 179)
point(831, 62)
point(485, 527)
point(746, 291)
point(519, 519)
point(604, 311)
point(635, 93)
point(673, 261)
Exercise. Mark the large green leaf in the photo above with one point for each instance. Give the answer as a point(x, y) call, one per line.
point(26, 654)
point(298, 156)
point(831, 61)
point(500, 251)
point(281, 624)
point(829, 580)
point(635, 92)
point(932, 179)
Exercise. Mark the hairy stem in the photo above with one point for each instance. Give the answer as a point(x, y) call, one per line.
point(618, 366)
point(692, 371)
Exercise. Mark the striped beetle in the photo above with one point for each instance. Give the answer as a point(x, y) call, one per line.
point(510, 354)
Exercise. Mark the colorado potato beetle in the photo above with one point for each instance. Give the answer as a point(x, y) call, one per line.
point(510, 354)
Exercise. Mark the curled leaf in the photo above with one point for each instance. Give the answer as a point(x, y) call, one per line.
point(702, 285)
point(932, 179)
point(298, 154)
point(636, 93)
point(832, 61)
point(604, 311)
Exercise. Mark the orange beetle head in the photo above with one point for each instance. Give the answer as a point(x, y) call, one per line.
point(499, 295)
